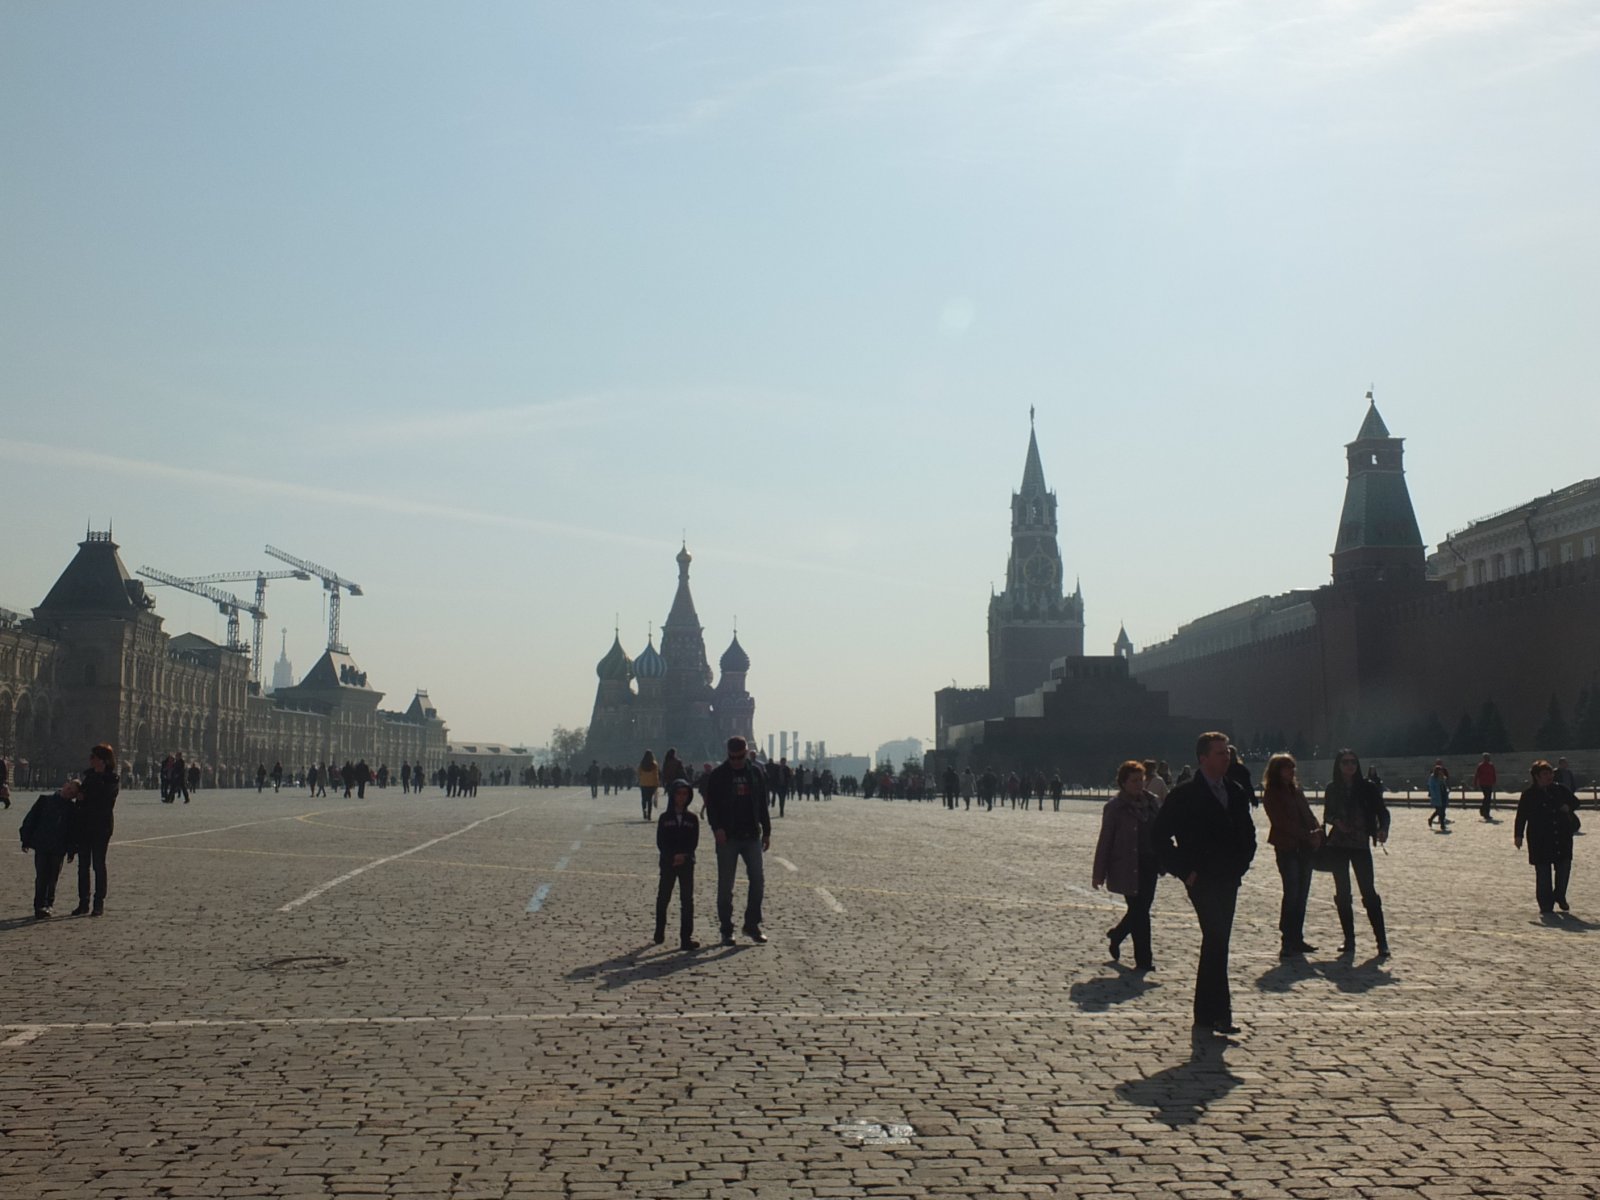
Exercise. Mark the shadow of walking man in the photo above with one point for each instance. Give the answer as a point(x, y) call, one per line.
point(1098, 995)
point(1180, 1095)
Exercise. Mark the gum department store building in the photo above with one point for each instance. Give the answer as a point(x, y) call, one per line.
point(93, 664)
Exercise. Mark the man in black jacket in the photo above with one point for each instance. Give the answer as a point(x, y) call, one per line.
point(736, 807)
point(1206, 838)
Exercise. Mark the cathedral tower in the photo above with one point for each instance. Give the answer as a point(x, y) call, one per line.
point(1033, 621)
point(686, 688)
point(1379, 541)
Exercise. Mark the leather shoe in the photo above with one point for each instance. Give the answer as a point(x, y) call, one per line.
point(659, 937)
point(691, 944)
point(755, 935)
point(1228, 1029)
point(81, 909)
point(727, 939)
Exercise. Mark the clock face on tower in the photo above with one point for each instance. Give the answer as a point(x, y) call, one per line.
point(1037, 570)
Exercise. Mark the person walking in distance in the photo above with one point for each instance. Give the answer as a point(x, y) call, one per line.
point(1547, 814)
point(1125, 860)
point(677, 835)
point(95, 804)
point(1205, 836)
point(1356, 819)
point(736, 808)
point(1439, 796)
point(1296, 834)
point(1484, 778)
point(649, 781)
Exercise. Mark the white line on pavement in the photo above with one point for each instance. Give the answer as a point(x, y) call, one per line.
point(536, 901)
point(784, 863)
point(24, 1035)
point(827, 898)
point(197, 832)
point(388, 858)
point(1105, 900)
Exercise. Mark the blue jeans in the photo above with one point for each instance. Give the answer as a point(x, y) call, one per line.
point(1294, 867)
point(728, 856)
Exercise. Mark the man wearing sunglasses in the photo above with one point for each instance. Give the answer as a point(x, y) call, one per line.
point(736, 809)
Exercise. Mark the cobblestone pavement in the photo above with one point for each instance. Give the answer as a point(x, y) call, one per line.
point(429, 997)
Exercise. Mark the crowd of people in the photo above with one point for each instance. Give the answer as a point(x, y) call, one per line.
point(1202, 832)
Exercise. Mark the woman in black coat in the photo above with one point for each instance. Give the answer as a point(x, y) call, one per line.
point(95, 805)
point(1547, 813)
point(1356, 819)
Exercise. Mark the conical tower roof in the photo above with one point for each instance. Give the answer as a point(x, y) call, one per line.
point(682, 613)
point(1373, 426)
point(1033, 468)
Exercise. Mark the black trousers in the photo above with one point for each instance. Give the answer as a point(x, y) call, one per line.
point(1214, 901)
point(1135, 922)
point(1550, 883)
point(46, 870)
point(683, 878)
point(92, 852)
point(1488, 803)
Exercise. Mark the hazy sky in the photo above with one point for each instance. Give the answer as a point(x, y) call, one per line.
point(485, 305)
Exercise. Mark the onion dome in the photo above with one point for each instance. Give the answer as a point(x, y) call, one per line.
point(649, 664)
point(734, 658)
point(616, 665)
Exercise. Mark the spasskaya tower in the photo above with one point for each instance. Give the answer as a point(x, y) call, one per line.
point(1033, 621)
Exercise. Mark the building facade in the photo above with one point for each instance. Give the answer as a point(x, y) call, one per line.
point(94, 664)
point(665, 698)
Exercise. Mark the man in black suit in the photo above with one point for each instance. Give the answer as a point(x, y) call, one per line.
point(1206, 838)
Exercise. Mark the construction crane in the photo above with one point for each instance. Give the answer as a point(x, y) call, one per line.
point(332, 584)
point(227, 603)
point(260, 614)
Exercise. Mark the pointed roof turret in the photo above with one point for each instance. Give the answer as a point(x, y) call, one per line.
point(1379, 539)
point(95, 581)
point(734, 658)
point(682, 612)
point(649, 664)
point(1123, 640)
point(1373, 426)
point(1033, 468)
point(616, 665)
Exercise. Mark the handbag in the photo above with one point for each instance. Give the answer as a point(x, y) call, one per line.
point(1323, 856)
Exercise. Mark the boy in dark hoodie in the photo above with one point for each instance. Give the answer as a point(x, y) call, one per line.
point(50, 831)
point(677, 835)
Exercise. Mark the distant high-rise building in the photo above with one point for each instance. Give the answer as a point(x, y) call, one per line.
point(283, 669)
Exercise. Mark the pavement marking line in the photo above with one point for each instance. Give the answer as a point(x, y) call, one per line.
point(784, 863)
point(542, 893)
point(362, 870)
point(23, 1036)
point(198, 832)
point(1179, 1017)
point(827, 898)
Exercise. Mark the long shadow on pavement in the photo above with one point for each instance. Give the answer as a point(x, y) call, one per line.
point(1098, 995)
point(1344, 974)
point(1181, 1094)
point(648, 963)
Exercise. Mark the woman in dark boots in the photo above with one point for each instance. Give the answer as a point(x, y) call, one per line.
point(1295, 836)
point(95, 805)
point(1125, 860)
point(1356, 819)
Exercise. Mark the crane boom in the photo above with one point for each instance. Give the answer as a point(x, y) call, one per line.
point(260, 616)
point(332, 583)
point(227, 603)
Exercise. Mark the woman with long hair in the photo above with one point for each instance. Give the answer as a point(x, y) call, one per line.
point(649, 781)
point(1356, 819)
point(95, 804)
point(1125, 860)
point(1296, 834)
